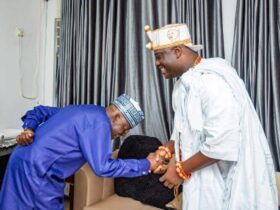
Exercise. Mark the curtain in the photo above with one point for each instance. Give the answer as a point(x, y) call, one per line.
point(256, 53)
point(103, 54)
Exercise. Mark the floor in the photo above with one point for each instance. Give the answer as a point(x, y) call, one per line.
point(66, 203)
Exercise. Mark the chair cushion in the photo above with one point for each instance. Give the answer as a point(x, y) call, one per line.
point(116, 202)
point(144, 188)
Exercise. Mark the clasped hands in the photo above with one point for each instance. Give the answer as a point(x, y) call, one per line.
point(162, 163)
point(25, 137)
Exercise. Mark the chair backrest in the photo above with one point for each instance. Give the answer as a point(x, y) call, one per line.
point(89, 188)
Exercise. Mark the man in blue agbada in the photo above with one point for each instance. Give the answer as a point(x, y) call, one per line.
point(64, 139)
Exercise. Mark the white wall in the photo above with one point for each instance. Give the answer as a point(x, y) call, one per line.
point(30, 74)
point(53, 11)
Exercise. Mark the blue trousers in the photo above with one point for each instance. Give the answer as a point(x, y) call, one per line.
point(23, 189)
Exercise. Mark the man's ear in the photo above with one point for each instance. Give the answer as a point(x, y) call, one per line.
point(118, 115)
point(177, 51)
point(112, 111)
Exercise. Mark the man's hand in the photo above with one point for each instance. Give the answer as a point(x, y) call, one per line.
point(26, 137)
point(161, 169)
point(162, 153)
point(155, 161)
point(171, 178)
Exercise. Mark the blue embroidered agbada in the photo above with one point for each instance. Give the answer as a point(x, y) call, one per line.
point(65, 139)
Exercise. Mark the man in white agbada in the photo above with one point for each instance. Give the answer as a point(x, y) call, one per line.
point(217, 138)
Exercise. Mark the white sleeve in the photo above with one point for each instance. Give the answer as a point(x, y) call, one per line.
point(221, 119)
point(174, 135)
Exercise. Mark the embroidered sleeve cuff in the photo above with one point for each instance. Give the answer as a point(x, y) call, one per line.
point(32, 124)
point(144, 166)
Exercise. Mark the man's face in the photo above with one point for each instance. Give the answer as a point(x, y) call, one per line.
point(166, 62)
point(120, 126)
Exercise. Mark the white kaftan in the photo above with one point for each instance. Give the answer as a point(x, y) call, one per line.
point(214, 115)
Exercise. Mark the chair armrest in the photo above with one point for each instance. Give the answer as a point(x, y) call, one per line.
point(278, 185)
point(89, 188)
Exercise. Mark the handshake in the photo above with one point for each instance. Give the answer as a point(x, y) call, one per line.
point(162, 163)
point(159, 160)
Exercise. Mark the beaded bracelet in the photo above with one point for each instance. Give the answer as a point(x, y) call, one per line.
point(182, 174)
point(166, 149)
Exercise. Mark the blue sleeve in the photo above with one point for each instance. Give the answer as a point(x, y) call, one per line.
point(95, 144)
point(33, 118)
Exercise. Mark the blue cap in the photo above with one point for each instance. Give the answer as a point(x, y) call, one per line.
point(130, 109)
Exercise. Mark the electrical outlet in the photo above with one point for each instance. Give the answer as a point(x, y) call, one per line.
point(20, 32)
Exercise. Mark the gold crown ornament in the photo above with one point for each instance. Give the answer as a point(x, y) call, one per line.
point(169, 36)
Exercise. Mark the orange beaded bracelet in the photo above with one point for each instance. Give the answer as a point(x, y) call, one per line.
point(182, 174)
point(166, 149)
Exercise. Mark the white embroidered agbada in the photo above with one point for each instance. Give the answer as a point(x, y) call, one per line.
point(214, 115)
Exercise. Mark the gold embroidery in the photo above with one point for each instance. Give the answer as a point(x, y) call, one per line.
point(186, 41)
point(173, 34)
